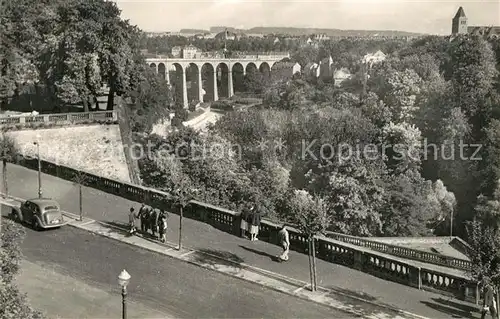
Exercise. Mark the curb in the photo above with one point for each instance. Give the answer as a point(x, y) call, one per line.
point(300, 285)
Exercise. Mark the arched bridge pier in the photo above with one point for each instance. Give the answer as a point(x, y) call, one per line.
point(206, 80)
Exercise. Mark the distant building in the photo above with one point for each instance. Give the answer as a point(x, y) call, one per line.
point(187, 52)
point(321, 37)
point(284, 70)
point(191, 52)
point(311, 70)
point(341, 75)
point(176, 52)
point(460, 25)
point(228, 35)
point(374, 58)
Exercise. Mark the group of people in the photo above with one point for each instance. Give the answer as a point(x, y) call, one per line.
point(151, 219)
point(250, 222)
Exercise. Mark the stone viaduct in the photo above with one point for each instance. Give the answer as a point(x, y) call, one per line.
point(209, 78)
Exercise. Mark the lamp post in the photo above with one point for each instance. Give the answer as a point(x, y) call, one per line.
point(37, 143)
point(123, 280)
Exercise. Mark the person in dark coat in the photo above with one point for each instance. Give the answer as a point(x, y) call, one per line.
point(153, 221)
point(245, 216)
point(143, 216)
point(255, 224)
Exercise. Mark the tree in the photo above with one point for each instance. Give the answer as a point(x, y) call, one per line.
point(150, 99)
point(14, 303)
point(256, 82)
point(8, 153)
point(81, 180)
point(179, 185)
point(485, 251)
point(310, 214)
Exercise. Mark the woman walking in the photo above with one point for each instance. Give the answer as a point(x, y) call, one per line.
point(131, 221)
point(162, 227)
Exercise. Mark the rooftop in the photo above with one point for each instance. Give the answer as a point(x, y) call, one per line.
point(460, 13)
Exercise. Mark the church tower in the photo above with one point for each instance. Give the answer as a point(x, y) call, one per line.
point(459, 23)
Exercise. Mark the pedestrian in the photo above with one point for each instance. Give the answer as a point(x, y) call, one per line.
point(284, 239)
point(153, 221)
point(131, 221)
point(489, 302)
point(143, 217)
point(162, 227)
point(244, 224)
point(255, 224)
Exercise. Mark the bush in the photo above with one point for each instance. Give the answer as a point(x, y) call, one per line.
point(192, 105)
point(222, 105)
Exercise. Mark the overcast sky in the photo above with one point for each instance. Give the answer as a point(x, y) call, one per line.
point(405, 15)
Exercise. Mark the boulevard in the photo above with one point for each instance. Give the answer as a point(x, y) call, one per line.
point(166, 285)
point(201, 236)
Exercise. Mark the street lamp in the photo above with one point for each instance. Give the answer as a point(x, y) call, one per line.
point(123, 280)
point(37, 143)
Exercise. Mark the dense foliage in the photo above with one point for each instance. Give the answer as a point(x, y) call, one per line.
point(402, 120)
point(56, 54)
point(13, 303)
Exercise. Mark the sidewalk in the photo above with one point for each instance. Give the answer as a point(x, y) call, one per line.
point(61, 296)
point(205, 238)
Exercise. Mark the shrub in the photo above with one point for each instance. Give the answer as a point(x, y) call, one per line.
point(222, 105)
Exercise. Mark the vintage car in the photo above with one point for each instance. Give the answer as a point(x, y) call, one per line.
point(41, 213)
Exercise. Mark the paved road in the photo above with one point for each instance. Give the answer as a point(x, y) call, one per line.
point(168, 285)
point(106, 207)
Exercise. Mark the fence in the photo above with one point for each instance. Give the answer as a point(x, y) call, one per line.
point(354, 252)
point(60, 118)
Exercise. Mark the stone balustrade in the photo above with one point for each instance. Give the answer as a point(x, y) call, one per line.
point(405, 252)
point(60, 118)
point(379, 259)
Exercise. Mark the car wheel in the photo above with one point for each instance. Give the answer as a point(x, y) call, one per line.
point(35, 224)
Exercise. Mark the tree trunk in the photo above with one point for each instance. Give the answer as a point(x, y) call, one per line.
point(4, 177)
point(81, 202)
point(180, 227)
point(309, 255)
point(111, 99)
point(85, 104)
point(313, 244)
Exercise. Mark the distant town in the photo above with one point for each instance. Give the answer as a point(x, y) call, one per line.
point(311, 34)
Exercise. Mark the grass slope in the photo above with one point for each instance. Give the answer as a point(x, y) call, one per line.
point(97, 149)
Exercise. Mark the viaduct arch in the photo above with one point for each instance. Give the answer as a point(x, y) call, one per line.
point(208, 79)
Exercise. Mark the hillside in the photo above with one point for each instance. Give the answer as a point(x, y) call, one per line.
point(97, 149)
point(330, 32)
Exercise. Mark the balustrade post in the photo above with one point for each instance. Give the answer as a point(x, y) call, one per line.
point(359, 260)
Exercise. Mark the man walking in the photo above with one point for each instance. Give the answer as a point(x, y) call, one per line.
point(284, 240)
point(489, 302)
point(255, 224)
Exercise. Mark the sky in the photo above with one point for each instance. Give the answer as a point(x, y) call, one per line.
point(420, 16)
